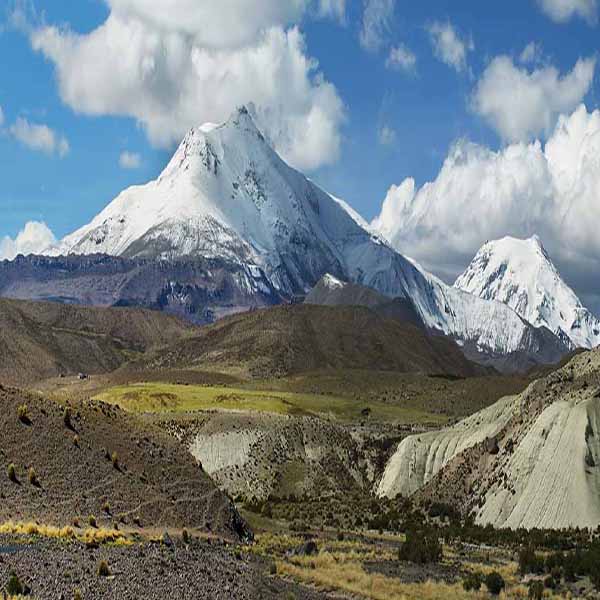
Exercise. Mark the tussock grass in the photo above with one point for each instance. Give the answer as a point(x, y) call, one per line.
point(105, 536)
point(347, 574)
point(30, 529)
point(90, 535)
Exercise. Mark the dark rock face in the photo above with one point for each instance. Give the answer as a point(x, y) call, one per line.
point(491, 445)
point(200, 290)
point(354, 294)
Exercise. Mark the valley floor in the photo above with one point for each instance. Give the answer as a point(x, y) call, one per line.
point(301, 457)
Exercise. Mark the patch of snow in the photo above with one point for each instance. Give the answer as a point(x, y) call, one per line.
point(332, 283)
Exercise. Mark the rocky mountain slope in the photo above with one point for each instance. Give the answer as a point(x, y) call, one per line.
point(226, 195)
point(528, 461)
point(42, 339)
point(260, 455)
point(299, 338)
point(199, 290)
point(330, 291)
point(521, 274)
point(153, 480)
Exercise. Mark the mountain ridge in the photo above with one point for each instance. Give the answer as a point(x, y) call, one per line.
point(226, 194)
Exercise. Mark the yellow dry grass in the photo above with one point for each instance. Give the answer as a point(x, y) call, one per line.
point(339, 566)
point(347, 574)
point(100, 536)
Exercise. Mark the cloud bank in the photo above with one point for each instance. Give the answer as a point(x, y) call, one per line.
point(521, 190)
point(32, 239)
point(185, 67)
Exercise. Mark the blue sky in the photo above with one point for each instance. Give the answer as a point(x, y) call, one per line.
point(424, 110)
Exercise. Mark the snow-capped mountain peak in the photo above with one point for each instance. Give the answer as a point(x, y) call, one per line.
point(226, 195)
point(521, 274)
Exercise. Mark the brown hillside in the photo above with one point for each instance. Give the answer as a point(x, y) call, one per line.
point(152, 480)
point(298, 338)
point(40, 340)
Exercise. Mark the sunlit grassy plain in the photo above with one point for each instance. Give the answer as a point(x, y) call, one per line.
point(173, 398)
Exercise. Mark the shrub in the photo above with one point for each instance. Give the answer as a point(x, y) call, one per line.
point(529, 562)
point(536, 590)
point(92, 521)
point(106, 507)
point(12, 473)
point(472, 582)
point(67, 418)
point(32, 476)
point(595, 578)
point(77, 595)
point(185, 536)
point(103, 570)
point(76, 441)
point(23, 414)
point(421, 547)
point(114, 458)
point(14, 587)
point(494, 583)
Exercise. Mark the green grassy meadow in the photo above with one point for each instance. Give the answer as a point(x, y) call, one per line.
point(172, 398)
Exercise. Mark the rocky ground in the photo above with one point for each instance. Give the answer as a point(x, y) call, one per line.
point(98, 462)
point(55, 569)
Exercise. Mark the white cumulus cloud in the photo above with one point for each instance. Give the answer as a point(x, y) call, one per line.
point(376, 23)
point(32, 239)
point(172, 68)
point(562, 11)
point(401, 58)
point(521, 190)
point(130, 160)
point(449, 46)
point(39, 137)
point(521, 104)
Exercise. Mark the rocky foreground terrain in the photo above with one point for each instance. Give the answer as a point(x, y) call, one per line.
point(151, 570)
